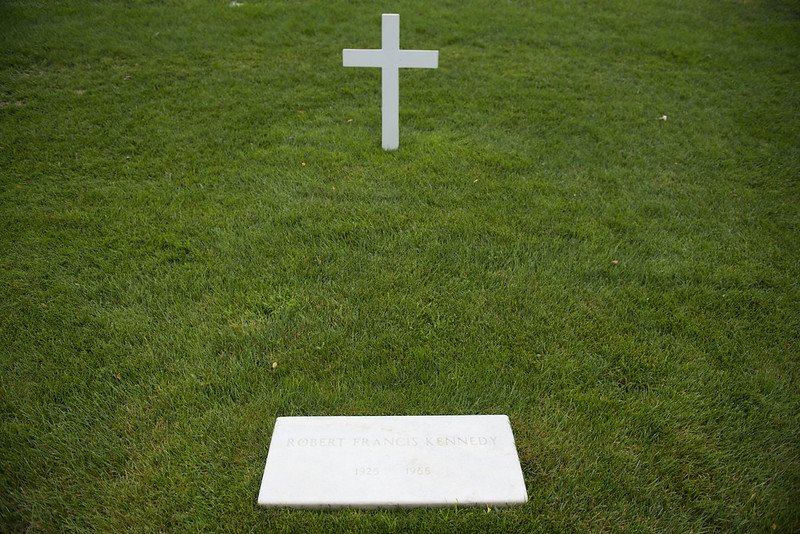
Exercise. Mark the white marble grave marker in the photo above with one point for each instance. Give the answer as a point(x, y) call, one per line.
point(390, 59)
point(392, 461)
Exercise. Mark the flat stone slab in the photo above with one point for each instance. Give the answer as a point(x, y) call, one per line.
point(392, 461)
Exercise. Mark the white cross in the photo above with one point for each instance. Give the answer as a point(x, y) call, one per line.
point(390, 58)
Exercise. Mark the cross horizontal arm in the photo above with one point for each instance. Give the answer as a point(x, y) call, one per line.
point(362, 58)
point(419, 59)
point(416, 59)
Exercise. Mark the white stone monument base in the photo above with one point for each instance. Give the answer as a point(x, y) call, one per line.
point(392, 461)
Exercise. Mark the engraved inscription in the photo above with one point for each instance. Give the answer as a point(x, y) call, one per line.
point(315, 442)
point(452, 441)
point(418, 470)
point(383, 442)
point(367, 471)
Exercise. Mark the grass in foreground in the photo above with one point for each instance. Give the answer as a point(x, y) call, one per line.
point(191, 192)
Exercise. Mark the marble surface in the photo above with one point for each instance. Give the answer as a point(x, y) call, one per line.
point(392, 461)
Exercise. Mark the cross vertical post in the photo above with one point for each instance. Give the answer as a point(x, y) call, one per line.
point(390, 82)
point(390, 59)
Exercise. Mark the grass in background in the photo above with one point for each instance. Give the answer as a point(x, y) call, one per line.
point(191, 191)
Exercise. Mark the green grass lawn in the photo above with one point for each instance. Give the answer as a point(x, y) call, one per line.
point(191, 191)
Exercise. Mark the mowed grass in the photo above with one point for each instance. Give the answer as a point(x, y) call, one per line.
point(591, 225)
